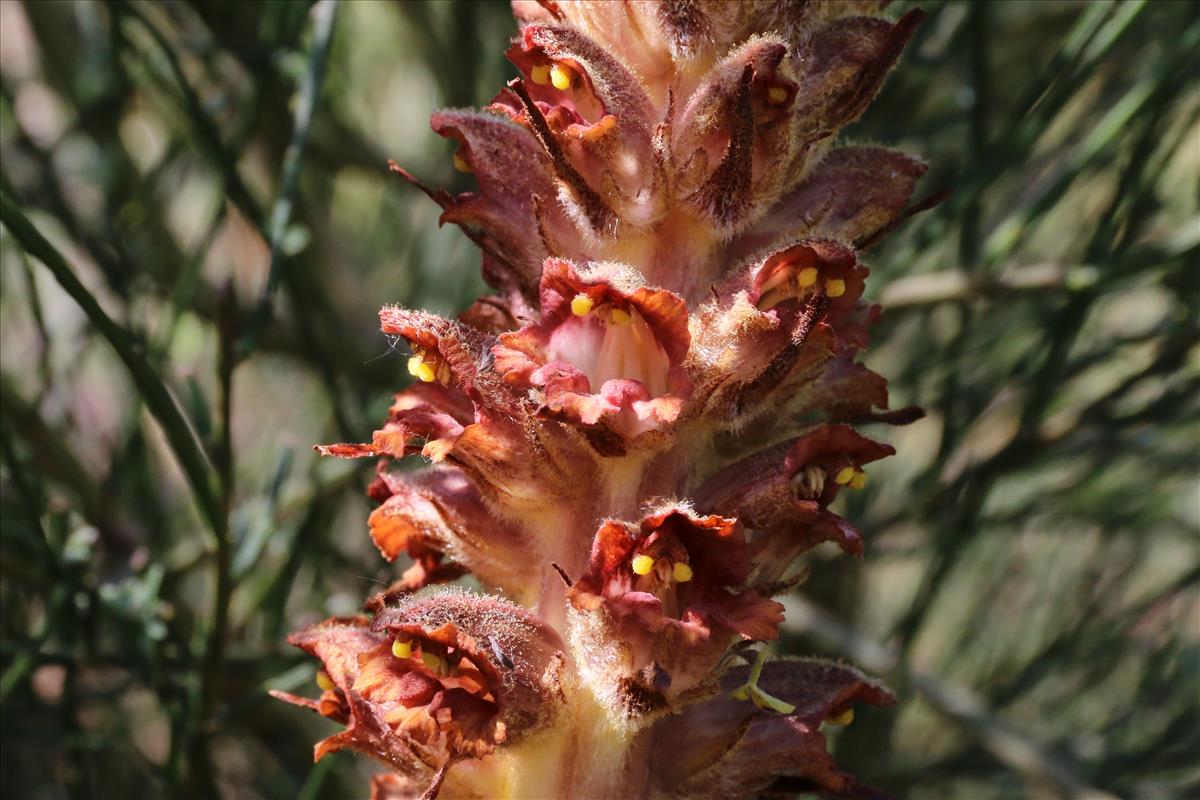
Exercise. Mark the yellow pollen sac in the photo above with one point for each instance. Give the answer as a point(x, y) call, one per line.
point(642, 565)
point(426, 373)
point(806, 277)
point(844, 476)
point(324, 682)
point(620, 317)
point(540, 74)
point(777, 95)
point(844, 718)
point(560, 76)
point(835, 287)
point(402, 649)
point(434, 664)
point(859, 480)
point(460, 163)
point(681, 572)
point(581, 305)
point(414, 364)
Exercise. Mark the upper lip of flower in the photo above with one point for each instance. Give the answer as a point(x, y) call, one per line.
point(807, 469)
point(808, 266)
point(580, 87)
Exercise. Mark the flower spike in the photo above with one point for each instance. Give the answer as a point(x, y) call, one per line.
point(635, 436)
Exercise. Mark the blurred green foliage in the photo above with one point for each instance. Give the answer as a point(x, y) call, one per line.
point(220, 229)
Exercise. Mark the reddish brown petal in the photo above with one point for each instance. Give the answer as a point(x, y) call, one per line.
point(576, 360)
point(782, 492)
point(439, 510)
point(730, 748)
point(425, 418)
point(341, 644)
point(601, 123)
point(671, 632)
point(776, 280)
point(847, 62)
point(460, 346)
point(852, 195)
point(760, 490)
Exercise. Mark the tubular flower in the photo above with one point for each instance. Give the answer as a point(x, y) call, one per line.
point(639, 433)
point(783, 494)
point(668, 590)
point(600, 354)
point(433, 681)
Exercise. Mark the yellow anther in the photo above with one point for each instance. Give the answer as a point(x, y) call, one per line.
point(859, 480)
point(414, 365)
point(844, 476)
point(681, 572)
point(434, 663)
point(620, 317)
point(777, 95)
point(806, 277)
point(426, 373)
point(642, 565)
point(402, 649)
point(560, 76)
point(835, 287)
point(460, 163)
point(844, 718)
point(581, 305)
point(324, 681)
point(540, 74)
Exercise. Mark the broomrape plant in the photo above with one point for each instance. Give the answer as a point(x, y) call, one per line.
point(636, 437)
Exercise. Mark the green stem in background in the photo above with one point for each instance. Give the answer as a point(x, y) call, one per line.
point(148, 383)
point(27, 660)
point(310, 300)
point(324, 16)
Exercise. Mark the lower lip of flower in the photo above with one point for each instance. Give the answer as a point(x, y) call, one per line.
point(611, 343)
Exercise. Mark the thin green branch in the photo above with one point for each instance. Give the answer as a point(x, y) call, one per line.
point(324, 16)
point(148, 383)
point(1006, 744)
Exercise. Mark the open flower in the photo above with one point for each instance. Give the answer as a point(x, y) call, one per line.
point(669, 589)
point(783, 494)
point(435, 680)
point(605, 352)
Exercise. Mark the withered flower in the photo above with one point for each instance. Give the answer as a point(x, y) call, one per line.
point(640, 431)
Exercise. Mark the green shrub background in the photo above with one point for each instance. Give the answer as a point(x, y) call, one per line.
point(1030, 584)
